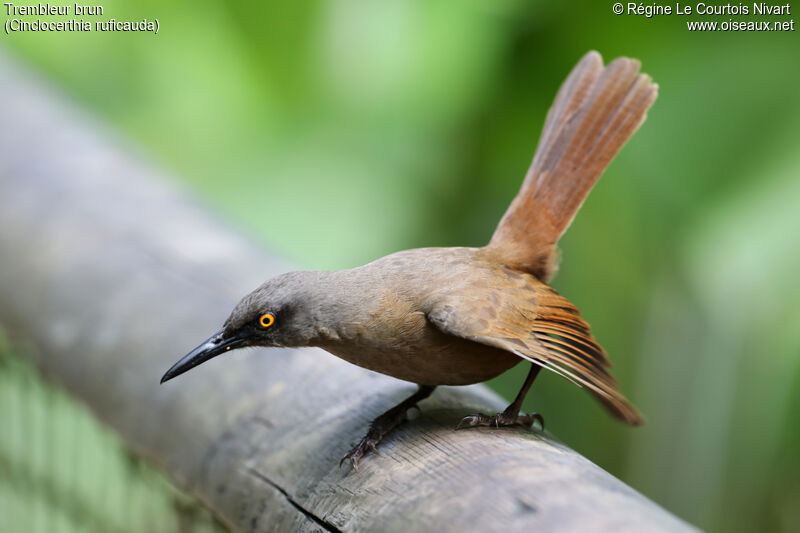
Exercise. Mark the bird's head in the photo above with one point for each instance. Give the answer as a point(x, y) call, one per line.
point(275, 314)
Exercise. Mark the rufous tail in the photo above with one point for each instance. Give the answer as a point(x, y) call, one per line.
point(595, 112)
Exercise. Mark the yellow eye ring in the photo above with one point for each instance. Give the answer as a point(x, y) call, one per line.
point(266, 320)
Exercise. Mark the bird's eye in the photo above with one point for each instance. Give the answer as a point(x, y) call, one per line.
point(266, 320)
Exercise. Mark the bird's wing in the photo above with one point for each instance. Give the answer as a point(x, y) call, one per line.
point(534, 322)
point(595, 112)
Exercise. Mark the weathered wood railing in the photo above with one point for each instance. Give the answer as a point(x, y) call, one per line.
point(108, 272)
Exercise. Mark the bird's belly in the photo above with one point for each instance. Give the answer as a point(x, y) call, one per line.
point(436, 359)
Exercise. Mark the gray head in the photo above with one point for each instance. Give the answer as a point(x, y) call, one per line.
point(278, 313)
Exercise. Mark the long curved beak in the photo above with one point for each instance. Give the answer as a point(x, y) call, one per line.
point(212, 347)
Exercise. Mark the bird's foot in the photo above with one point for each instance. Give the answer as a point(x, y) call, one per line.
point(382, 425)
point(369, 442)
point(505, 418)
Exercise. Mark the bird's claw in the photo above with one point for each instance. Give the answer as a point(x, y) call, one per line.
point(359, 450)
point(473, 420)
point(500, 420)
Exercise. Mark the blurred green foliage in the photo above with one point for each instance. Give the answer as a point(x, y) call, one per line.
point(61, 471)
point(336, 132)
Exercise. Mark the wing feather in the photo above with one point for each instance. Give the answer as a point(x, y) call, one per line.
point(536, 323)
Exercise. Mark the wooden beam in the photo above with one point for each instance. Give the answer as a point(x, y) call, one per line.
point(110, 272)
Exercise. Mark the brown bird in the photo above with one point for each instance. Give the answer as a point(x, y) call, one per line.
point(456, 316)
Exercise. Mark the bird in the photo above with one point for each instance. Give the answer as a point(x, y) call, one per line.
point(463, 315)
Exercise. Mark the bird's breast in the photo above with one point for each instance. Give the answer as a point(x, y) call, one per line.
point(394, 337)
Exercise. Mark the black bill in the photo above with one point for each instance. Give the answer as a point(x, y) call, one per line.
point(212, 347)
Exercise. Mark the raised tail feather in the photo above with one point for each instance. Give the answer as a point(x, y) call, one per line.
point(595, 112)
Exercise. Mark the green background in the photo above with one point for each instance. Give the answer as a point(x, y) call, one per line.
point(337, 132)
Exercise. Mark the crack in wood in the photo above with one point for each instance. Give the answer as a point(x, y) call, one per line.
point(294, 503)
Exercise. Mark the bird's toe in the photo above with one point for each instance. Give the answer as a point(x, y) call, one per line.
point(500, 420)
point(473, 420)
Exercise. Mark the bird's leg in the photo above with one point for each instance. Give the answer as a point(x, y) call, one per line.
point(511, 416)
point(384, 424)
